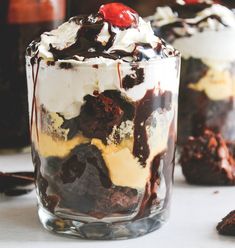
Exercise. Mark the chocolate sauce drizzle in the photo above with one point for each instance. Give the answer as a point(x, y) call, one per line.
point(87, 44)
point(167, 160)
point(150, 189)
point(33, 61)
point(186, 11)
point(144, 108)
point(189, 10)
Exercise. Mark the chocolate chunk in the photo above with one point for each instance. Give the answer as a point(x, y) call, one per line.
point(51, 63)
point(227, 225)
point(66, 65)
point(74, 167)
point(99, 115)
point(90, 192)
point(71, 169)
point(17, 183)
point(129, 81)
point(206, 160)
point(48, 201)
point(197, 70)
point(127, 106)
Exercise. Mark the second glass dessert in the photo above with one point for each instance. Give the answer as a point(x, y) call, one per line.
point(103, 96)
point(204, 32)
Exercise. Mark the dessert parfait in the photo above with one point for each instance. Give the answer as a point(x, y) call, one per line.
point(204, 32)
point(103, 95)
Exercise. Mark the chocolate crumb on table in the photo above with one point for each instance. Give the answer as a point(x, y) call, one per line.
point(227, 225)
point(207, 160)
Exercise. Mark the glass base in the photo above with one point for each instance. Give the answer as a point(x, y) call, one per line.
point(101, 230)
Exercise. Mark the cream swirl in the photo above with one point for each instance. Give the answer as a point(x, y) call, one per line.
point(99, 56)
point(214, 17)
point(208, 34)
point(82, 38)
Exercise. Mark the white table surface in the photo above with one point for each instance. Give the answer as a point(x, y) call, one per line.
point(194, 214)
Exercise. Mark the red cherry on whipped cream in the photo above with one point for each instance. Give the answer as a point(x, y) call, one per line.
point(191, 1)
point(119, 15)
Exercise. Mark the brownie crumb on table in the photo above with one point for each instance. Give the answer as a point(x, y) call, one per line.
point(207, 160)
point(227, 225)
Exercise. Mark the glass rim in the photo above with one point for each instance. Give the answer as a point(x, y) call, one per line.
point(111, 62)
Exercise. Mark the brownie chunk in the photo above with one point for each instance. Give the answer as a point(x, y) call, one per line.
point(206, 160)
point(227, 225)
point(48, 201)
point(99, 114)
point(83, 184)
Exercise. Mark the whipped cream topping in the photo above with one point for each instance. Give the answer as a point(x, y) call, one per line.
point(83, 38)
point(88, 54)
point(209, 34)
point(214, 17)
point(71, 86)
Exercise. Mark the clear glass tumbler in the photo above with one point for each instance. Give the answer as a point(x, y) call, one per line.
point(106, 171)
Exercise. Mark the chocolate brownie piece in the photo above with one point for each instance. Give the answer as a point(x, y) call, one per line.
point(83, 184)
point(206, 160)
point(48, 201)
point(189, 109)
point(99, 114)
point(197, 71)
point(227, 225)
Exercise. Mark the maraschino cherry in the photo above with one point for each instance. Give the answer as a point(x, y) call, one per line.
point(191, 1)
point(119, 15)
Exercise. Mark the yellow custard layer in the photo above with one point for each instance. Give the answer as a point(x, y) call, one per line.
point(49, 146)
point(124, 168)
point(217, 85)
